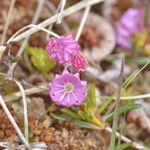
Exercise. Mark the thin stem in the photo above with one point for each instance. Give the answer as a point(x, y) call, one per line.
point(62, 6)
point(115, 119)
point(130, 97)
point(14, 122)
point(12, 4)
point(25, 112)
point(52, 8)
point(2, 49)
point(84, 18)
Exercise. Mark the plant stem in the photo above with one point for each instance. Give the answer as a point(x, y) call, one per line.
point(115, 120)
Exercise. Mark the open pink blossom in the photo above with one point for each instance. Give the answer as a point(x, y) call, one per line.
point(78, 62)
point(67, 89)
point(61, 49)
point(132, 21)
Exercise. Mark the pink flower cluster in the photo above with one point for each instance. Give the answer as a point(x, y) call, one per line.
point(67, 89)
point(132, 21)
point(66, 50)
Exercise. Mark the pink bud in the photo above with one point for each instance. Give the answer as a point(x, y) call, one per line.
point(78, 62)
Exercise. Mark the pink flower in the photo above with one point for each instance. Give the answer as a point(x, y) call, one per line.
point(78, 62)
point(132, 21)
point(67, 89)
point(61, 49)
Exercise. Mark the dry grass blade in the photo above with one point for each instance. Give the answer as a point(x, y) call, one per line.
point(14, 122)
point(25, 112)
point(12, 4)
point(53, 19)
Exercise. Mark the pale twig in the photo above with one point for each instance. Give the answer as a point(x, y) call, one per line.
point(28, 92)
point(45, 30)
point(12, 4)
point(25, 109)
point(53, 19)
point(34, 21)
point(2, 49)
point(52, 8)
point(82, 23)
point(42, 88)
point(62, 6)
point(127, 140)
point(130, 97)
point(14, 122)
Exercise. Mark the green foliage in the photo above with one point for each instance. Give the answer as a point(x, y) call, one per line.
point(83, 124)
point(73, 24)
point(141, 60)
point(60, 117)
point(86, 125)
point(105, 104)
point(77, 114)
point(126, 146)
point(40, 59)
point(90, 103)
point(122, 110)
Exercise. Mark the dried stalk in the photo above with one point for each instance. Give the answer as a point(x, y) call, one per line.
point(82, 23)
point(52, 8)
point(62, 6)
point(14, 122)
point(41, 89)
point(53, 19)
point(28, 92)
point(12, 4)
point(2, 49)
point(25, 112)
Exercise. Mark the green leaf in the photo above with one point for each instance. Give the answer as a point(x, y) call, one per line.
point(72, 112)
point(85, 116)
point(126, 146)
point(41, 60)
point(141, 60)
point(86, 125)
point(105, 104)
point(90, 103)
point(122, 110)
point(61, 117)
point(77, 114)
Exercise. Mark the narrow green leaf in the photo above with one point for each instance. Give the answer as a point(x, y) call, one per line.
point(73, 113)
point(105, 104)
point(122, 110)
point(124, 146)
point(90, 103)
point(85, 116)
point(86, 125)
point(77, 114)
point(61, 117)
point(141, 60)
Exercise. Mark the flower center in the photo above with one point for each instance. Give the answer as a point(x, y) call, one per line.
point(68, 87)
